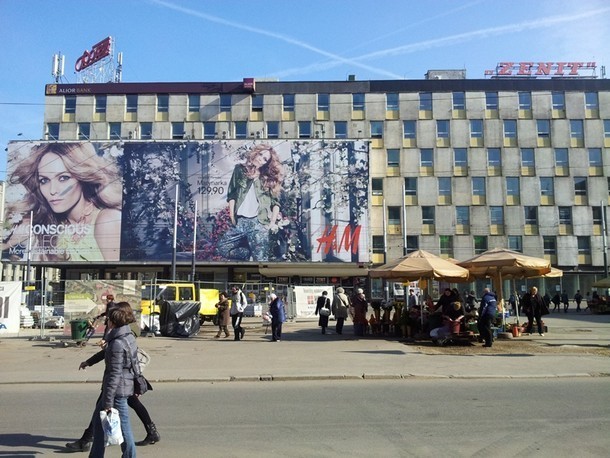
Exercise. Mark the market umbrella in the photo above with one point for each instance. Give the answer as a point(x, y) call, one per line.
point(603, 283)
point(501, 263)
point(420, 265)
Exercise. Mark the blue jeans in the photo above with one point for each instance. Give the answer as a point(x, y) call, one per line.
point(128, 446)
point(249, 238)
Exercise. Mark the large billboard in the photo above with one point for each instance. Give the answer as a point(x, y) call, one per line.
point(251, 200)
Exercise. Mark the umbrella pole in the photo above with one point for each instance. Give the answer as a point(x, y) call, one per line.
point(517, 301)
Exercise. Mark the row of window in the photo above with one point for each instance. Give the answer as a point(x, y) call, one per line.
point(480, 244)
point(496, 216)
point(492, 102)
point(494, 158)
point(479, 188)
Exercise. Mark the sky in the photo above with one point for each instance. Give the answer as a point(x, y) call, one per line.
point(317, 40)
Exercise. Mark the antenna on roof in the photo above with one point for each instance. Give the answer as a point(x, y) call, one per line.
point(57, 70)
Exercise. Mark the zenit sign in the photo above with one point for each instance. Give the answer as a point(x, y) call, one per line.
point(97, 53)
point(543, 69)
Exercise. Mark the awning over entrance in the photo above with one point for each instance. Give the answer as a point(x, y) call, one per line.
point(319, 269)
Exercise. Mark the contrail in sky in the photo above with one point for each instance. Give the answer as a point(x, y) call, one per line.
point(337, 59)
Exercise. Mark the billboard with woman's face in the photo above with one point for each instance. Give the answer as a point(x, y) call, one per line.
point(250, 201)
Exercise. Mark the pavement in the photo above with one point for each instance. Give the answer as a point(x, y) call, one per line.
point(576, 345)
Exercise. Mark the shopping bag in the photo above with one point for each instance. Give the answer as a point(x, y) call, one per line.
point(111, 424)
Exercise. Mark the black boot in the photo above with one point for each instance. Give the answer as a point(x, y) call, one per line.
point(81, 445)
point(152, 435)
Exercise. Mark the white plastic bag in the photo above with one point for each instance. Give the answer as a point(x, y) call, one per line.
point(111, 424)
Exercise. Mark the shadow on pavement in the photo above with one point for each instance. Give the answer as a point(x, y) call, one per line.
point(33, 441)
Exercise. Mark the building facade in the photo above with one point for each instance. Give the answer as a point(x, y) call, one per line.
point(456, 166)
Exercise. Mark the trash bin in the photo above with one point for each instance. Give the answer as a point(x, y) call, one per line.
point(79, 329)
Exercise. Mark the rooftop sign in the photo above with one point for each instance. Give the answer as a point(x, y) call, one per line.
point(97, 53)
point(543, 70)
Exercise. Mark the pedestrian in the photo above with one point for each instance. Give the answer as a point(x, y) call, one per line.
point(223, 316)
point(556, 300)
point(238, 305)
point(471, 302)
point(565, 300)
point(534, 307)
point(588, 300)
point(323, 308)
point(340, 309)
point(487, 314)
point(152, 434)
point(278, 316)
point(359, 310)
point(578, 300)
point(118, 382)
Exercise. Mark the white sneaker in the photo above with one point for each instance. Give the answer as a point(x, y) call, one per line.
point(541, 335)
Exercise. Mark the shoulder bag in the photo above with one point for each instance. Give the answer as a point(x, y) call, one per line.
point(140, 384)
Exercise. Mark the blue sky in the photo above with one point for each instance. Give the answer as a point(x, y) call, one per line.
point(227, 40)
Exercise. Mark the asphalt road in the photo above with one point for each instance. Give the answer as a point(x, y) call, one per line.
point(393, 418)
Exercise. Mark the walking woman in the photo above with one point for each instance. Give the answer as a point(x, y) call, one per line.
point(224, 318)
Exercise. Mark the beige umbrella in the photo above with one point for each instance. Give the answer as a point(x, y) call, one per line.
point(603, 283)
point(501, 263)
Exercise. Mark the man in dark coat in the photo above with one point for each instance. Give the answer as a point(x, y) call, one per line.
point(487, 314)
point(534, 306)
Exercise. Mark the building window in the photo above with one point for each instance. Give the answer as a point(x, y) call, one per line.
point(377, 186)
point(584, 245)
point(525, 100)
point(194, 103)
point(476, 128)
point(426, 157)
point(209, 130)
point(446, 245)
point(527, 157)
point(257, 101)
point(53, 131)
point(591, 101)
point(480, 244)
point(543, 127)
point(410, 186)
point(425, 101)
point(70, 104)
point(580, 186)
point(561, 157)
point(273, 129)
point(595, 157)
point(394, 216)
point(460, 157)
point(393, 157)
point(597, 215)
point(84, 131)
point(340, 129)
point(412, 243)
point(427, 215)
point(358, 102)
point(510, 128)
point(444, 186)
point(225, 103)
point(494, 157)
point(549, 244)
point(114, 130)
point(577, 130)
point(378, 244)
point(304, 129)
point(376, 129)
point(241, 129)
point(100, 103)
point(442, 128)
point(323, 102)
point(512, 186)
point(496, 215)
point(146, 130)
point(177, 130)
point(531, 215)
point(478, 186)
point(391, 101)
point(459, 101)
point(491, 100)
point(565, 215)
point(162, 103)
point(607, 130)
point(462, 215)
point(409, 129)
point(131, 103)
point(558, 100)
point(515, 243)
point(547, 187)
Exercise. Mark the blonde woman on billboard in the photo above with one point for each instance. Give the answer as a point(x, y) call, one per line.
point(74, 195)
point(253, 197)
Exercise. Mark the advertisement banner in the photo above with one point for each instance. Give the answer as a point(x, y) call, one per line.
point(10, 304)
point(306, 298)
point(251, 201)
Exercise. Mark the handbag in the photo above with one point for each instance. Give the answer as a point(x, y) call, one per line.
point(324, 311)
point(140, 384)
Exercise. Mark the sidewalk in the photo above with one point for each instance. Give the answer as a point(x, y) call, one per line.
point(305, 354)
